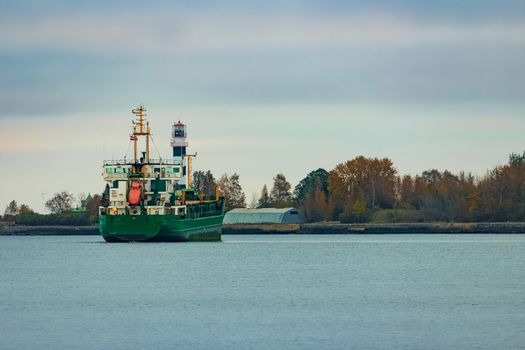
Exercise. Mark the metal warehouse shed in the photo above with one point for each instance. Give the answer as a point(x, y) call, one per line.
point(264, 216)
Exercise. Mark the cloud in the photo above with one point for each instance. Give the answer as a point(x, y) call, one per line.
point(87, 61)
point(273, 91)
point(181, 33)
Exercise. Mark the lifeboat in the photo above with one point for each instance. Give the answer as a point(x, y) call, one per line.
point(134, 193)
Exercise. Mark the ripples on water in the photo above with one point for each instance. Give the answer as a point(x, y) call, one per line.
point(264, 292)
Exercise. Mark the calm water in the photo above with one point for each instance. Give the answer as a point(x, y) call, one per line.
point(264, 292)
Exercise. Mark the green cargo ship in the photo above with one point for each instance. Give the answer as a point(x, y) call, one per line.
point(153, 200)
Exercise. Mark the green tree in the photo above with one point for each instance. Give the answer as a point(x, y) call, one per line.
point(280, 196)
point(315, 205)
point(232, 191)
point(310, 184)
point(204, 182)
point(516, 159)
point(264, 199)
point(12, 209)
point(60, 202)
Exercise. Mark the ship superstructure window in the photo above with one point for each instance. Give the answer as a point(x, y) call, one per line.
point(111, 170)
point(158, 186)
point(179, 151)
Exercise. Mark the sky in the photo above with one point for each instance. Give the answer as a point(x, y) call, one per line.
point(265, 87)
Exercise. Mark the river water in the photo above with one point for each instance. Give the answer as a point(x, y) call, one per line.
point(264, 292)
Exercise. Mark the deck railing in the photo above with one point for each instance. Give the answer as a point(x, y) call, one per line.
point(160, 161)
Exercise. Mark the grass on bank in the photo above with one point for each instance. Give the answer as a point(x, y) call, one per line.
point(387, 216)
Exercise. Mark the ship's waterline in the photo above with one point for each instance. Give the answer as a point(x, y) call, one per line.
point(167, 228)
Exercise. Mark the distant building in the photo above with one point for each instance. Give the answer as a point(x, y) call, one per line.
point(264, 216)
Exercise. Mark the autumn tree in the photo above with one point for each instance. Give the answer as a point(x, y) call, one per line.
point(406, 192)
point(440, 195)
point(443, 196)
point(362, 184)
point(25, 210)
point(513, 201)
point(92, 207)
point(280, 196)
point(449, 191)
point(60, 203)
point(492, 189)
point(469, 197)
point(264, 199)
point(502, 191)
point(224, 185)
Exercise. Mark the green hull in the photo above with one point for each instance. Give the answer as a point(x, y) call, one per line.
point(160, 228)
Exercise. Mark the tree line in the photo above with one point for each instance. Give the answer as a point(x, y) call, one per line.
point(61, 211)
point(279, 196)
point(358, 190)
point(371, 190)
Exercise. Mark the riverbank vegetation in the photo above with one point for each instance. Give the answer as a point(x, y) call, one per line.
point(371, 190)
point(61, 210)
point(360, 190)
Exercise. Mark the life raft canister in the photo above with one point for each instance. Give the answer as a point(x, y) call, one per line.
point(134, 193)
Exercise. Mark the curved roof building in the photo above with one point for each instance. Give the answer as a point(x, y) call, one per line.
point(264, 216)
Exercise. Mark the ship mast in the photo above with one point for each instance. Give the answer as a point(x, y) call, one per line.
point(140, 128)
point(189, 157)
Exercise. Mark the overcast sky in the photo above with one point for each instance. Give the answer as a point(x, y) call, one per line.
point(264, 86)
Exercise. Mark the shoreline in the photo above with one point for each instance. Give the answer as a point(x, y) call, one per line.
point(393, 228)
point(52, 230)
point(306, 229)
